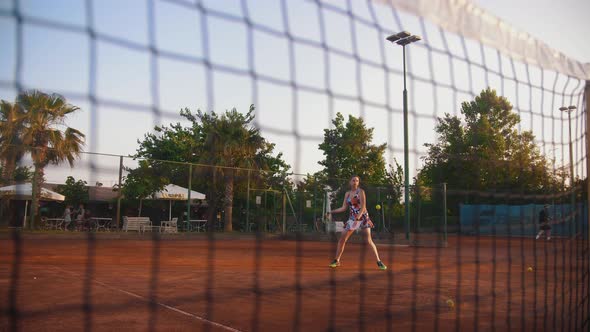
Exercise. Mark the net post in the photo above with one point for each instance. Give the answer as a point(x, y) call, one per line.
point(265, 210)
point(444, 187)
point(587, 98)
point(248, 204)
point(572, 226)
point(284, 212)
point(418, 208)
point(34, 199)
point(120, 193)
point(188, 201)
point(315, 193)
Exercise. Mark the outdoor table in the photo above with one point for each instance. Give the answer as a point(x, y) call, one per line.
point(102, 223)
point(148, 227)
point(197, 225)
point(54, 223)
point(298, 228)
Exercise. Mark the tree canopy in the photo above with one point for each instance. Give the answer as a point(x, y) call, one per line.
point(348, 150)
point(35, 124)
point(76, 192)
point(485, 150)
point(227, 140)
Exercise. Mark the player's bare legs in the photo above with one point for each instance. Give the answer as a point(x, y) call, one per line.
point(342, 243)
point(369, 239)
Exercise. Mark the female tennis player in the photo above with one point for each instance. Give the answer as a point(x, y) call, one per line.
point(358, 218)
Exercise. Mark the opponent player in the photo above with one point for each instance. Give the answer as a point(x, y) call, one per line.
point(545, 222)
point(358, 218)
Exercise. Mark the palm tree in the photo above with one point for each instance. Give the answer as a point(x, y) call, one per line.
point(11, 149)
point(230, 141)
point(45, 134)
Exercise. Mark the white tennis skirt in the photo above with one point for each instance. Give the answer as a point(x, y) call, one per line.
point(353, 225)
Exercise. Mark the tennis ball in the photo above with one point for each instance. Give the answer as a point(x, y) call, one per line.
point(530, 269)
point(451, 303)
point(378, 207)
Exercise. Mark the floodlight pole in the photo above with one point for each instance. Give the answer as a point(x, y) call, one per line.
point(569, 111)
point(572, 180)
point(405, 38)
point(190, 188)
point(406, 155)
point(119, 193)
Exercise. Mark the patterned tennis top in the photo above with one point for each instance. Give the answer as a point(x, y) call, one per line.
point(354, 202)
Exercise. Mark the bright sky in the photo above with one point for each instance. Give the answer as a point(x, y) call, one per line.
point(137, 89)
point(562, 24)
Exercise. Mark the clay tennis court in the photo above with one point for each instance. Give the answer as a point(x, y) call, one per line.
point(193, 284)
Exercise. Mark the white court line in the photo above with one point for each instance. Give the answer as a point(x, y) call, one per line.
point(182, 312)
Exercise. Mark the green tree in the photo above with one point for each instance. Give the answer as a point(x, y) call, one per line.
point(348, 151)
point(166, 150)
point(486, 151)
point(395, 180)
point(11, 152)
point(45, 135)
point(231, 141)
point(20, 174)
point(11, 146)
point(228, 140)
point(581, 187)
point(142, 182)
point(312, 182)
point(273, 171)
point(311, 187)
point(76, 192)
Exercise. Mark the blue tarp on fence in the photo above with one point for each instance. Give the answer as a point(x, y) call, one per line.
point(519, 220)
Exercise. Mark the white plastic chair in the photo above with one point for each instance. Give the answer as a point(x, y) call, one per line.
point(170, 226)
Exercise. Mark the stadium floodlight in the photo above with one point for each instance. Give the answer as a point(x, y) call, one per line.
point(398, 36)
point(409, 40)
point(569, 111)
point(405, 38)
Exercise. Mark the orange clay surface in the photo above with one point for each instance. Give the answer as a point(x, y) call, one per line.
point(194, 284)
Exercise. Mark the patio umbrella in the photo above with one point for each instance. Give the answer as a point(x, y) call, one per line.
point(24, 192)
point(173, 192)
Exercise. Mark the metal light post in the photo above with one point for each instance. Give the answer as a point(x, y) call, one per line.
point(569, 111)
point(404, 38)
point(381, 203)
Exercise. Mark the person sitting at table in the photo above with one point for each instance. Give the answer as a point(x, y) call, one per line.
point(80, 213)
point(163, 215)
point(68, 216)
point(88, 220)
point(18, 217)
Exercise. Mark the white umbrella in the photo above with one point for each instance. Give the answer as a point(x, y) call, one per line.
point(173, 192)
point(24, 191)
point(177, 193)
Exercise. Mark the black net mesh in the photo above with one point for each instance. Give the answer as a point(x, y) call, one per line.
point(468, 259)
